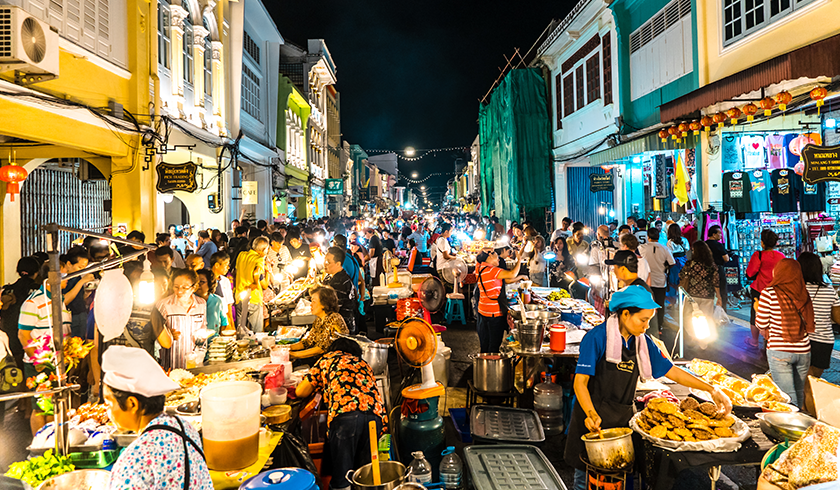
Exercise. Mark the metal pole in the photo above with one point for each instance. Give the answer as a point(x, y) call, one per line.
point(681, 333)
point(111, 238)
point(57, 302)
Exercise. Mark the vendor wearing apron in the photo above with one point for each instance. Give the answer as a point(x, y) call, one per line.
point(612, 358)
point(167, 455)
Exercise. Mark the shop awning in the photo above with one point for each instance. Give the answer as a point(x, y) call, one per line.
point(386, 163)
point(648, 142)
point(812, 61)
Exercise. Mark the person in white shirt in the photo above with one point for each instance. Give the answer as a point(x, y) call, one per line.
point(630, 242)
point(659, 259)
point(444, 249)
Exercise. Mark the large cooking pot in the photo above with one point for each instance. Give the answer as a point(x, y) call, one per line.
point(376, 355)
point(612, 450)
point(392, 474)
point(492, 372)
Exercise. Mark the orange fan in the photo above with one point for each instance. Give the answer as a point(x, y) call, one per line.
point(416, 344)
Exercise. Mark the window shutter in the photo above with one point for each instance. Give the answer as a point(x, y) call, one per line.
point(606, 53)
point(72, 20)
point(38, 8)
point(558, 93)
point(56, 13)
point(104, 29)
point(89, 24)
point(580, 87)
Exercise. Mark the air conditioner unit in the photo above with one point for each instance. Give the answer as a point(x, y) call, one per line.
point(27, 45)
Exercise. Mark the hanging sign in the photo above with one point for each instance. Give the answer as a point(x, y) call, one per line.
point(176, 177)
point(249, 192)
point(601, 182)
point(335, 187)
point(822, 163)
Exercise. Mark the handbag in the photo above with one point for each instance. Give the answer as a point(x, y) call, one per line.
point(11, 376)
point(823, 242)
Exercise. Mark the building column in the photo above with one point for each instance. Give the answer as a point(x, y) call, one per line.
point(178, 14)
point(219, 87)
point(561, 193)
point(199, 34)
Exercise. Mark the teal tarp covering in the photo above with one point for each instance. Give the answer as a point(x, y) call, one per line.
point(515, 132)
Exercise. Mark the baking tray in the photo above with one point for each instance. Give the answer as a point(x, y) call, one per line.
point(511, 467)
point(490, 423)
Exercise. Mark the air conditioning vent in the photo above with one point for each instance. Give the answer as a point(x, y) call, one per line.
point(27, 45)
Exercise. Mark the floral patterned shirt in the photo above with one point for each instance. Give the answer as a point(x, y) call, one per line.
point(155, 461)
point(323, 332)
point(348, 385)
point(699, 280)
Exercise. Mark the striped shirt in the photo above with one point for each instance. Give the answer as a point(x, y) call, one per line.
point(769, 315)
point(824, 298)
point(36, 316)
point(186, 321)
point(490, 286)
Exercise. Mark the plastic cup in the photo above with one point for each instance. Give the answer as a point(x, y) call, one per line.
point(557, 339)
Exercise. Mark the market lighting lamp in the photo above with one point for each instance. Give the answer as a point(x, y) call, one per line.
point(706, 122)
point(146, 286)
point(767, 104)
point(733, 114)
point(695, 127)
point(581, 259)
point(683, 129)
point(12, 174)
point(750, 110)
point(818, 94)
point(663, 135)
point(718, 119)
point(783, 98)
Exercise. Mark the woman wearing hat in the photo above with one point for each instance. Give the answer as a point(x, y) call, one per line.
point(612, 358)
point(167, 453)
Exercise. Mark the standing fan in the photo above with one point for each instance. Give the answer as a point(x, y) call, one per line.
point(432, 295)
point(416, 344)
point(452, 273)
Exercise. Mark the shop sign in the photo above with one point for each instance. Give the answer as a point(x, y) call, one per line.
point(176, 177)
point(601, 182)
point(335, 187)
point(834, 201)
point(250, 190)
point(822, 163)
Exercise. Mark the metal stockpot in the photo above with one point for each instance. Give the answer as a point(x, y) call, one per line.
point(392, 474)
point(492, 372)
point(531, 334)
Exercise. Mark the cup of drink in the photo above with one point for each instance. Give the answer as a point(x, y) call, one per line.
point(557, 339)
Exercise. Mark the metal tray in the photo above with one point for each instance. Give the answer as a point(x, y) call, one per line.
point(503, 424)
point(511, 467)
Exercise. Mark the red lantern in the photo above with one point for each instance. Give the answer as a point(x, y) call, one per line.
point(12, 174)
point(819, 94)
point(674, 132)
point(695, 126)
point(783, 98)
point(706, 122)
point(719, 118)
point(683, 129)
point(798, 143)
point(750, 110)
point(663, 135)
point(767, 104)
point(733, 115)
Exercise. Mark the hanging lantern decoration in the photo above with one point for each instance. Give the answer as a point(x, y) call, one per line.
point(706, 122)
point(12, 174)
point(797, 144)
point(683, 129)
point(819, 94)
point(718, 119)
point(674, 132)
point(783, 98)
point(695, 126)
point(733, 115)
point(767, 104)
point(663, 135)
point(750, 110)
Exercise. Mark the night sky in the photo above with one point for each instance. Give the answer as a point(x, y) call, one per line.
point(412, 73)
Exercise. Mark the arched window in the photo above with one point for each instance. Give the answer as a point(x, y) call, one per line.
point(188, 44)
point(208, 61)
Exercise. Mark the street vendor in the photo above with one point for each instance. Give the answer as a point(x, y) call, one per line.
point(609, 366)
point(349, 388)
point(492, 301)
point(168, 453)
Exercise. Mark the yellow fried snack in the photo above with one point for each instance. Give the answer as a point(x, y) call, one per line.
point(708, 409)
point(734, 397)
point(735, 384)
point(724, 432)
point(658, 432)
point(703, 367)
point(663, 405)
point(695, 417)
point(654, 415)
point(676, 421)
point(776, 406)
point(727, 421)
point(673, 436)
point(684, 433)
point(667, 425)
point(702, 435)
point(689, 403)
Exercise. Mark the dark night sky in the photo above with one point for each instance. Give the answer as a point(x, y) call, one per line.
point(411, 73)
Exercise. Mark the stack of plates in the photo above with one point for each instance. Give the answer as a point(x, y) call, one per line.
point(221, 349)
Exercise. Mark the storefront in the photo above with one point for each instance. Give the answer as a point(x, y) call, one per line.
point(318, 202)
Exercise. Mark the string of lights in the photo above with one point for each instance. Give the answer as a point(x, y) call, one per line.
point(424, 179)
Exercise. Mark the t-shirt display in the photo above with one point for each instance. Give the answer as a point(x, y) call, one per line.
point(753, 146)
point(787, 186)
point(812, 197)
point(775, 144)
point(791, 159)
point(736, 191)
point(760, 191)
point(730, 150)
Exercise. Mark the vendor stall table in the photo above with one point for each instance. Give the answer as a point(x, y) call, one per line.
point(224, 480)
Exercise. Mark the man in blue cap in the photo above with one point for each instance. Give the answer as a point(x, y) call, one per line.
point(612, 357)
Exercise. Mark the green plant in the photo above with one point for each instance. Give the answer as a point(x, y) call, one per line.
point(35, 471)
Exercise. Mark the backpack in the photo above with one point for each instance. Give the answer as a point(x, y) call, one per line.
point(11, 376)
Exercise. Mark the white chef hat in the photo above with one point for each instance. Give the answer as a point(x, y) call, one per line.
point(135, 371)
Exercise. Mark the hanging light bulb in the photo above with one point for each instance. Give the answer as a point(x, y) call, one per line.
point(146, 287)
point(581, 259)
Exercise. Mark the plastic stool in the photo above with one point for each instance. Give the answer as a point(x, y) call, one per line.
point(455, 309)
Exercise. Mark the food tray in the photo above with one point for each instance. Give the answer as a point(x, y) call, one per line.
point(752, 406)
point(94, 460)
point(511, 467)
point(503, 424)
point(719, 445)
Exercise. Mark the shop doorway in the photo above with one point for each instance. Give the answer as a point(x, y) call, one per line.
point(175, 212)
point(590, 208)
point(53, 193)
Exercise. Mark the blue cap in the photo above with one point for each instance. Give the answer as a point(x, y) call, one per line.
point(632, 296)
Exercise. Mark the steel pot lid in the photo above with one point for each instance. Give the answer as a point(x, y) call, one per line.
point(283, 478)
point(490, 356)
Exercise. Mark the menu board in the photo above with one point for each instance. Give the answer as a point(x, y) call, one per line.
point(822, 163)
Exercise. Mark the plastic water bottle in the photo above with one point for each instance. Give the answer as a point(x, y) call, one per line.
point(421, 471)
point(451, 469)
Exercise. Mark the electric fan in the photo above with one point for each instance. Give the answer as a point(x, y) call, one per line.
point(452, 273)
point(432, 295)
point(416, 344)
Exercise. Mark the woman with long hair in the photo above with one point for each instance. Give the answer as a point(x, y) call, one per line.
point(760, 270)
point(537, 270)
point(785, 317)
point(700, 280)
point(826, 312)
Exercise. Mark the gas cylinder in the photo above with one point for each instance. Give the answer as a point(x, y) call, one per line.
point(421, 429)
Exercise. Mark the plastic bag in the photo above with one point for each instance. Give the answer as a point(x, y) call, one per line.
point(720, 316)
